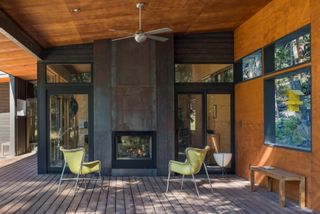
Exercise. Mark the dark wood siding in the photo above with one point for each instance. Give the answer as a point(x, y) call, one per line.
point(204, 48)
point(70, 53)
point(4, 98)
point(23, 90)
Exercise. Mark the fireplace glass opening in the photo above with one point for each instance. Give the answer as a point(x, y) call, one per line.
point(134, 147)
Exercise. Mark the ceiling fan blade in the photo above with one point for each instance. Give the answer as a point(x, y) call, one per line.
point(157, 38)
point(158, 31)
point(127, 37)
point(119, 31)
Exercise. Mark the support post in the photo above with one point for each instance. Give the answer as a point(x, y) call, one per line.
point(12, 150)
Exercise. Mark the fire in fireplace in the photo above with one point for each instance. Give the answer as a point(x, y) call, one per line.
point(134, 149)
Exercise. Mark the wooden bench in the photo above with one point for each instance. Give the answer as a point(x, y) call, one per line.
point(282, 176)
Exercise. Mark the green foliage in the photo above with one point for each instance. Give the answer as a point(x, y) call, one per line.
point(293, 128)
point(293, 52)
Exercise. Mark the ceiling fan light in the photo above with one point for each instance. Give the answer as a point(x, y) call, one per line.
point(140, 37)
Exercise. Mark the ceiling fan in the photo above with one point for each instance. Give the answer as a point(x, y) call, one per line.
point(140, 36)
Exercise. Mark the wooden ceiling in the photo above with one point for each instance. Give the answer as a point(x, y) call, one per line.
point(52, 22)
point(16, 61)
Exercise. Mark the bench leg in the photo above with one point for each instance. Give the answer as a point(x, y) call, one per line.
point(251, 180)
point(269, 184)
point(302, 192)
point(282, 193)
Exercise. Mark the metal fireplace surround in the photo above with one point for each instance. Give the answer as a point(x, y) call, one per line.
point(134, 149)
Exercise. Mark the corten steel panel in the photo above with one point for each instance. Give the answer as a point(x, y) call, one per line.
point(133, 86)
point(134, 108)
point(271, 23)
point(133, 63)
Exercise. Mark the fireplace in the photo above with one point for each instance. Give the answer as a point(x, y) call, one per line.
point(134, 149)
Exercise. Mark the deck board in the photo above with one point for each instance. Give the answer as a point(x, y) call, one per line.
point(22, 190)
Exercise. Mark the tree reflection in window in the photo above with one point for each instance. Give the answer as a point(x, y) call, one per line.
point(252, 65)
point(293, 111)
point(294, 52)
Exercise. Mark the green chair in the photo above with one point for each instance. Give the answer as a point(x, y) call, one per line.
point(192, 165)
point(74, 159)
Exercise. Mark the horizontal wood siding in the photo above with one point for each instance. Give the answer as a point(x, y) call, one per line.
point(204, 48)
point(73, 53)
point(4, 127)
point(4, 97)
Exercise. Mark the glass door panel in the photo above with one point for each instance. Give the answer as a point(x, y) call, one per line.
point(32, 120)
point(189, 123)
point(218, 124)
point(68, 118)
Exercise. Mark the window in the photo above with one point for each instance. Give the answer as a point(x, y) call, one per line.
point(296, 51)
point(69, 73)
point(249, 67)
point(205, 73)
point(291, 50)
point(288, 117)
point(252, 66)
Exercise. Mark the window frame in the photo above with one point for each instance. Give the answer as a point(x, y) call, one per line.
point(238, 69)
point(69, 83)
point(202, 82)
point(269, 112)
point(269, 50)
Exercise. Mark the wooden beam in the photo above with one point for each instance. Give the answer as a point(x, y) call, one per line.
point(15, 33)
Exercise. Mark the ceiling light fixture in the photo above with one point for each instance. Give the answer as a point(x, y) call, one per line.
point(76, 10)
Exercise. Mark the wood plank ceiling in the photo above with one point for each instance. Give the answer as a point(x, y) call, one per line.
point(52, 22)
point(16, 61)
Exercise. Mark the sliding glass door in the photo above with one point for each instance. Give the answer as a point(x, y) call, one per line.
point(204, 119)
point(69, 126)
point(189, 122)
point(218, 114)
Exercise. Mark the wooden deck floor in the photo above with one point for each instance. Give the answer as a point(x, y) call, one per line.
point(23, 191)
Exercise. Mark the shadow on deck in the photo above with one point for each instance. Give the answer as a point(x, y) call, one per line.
point(22, 190)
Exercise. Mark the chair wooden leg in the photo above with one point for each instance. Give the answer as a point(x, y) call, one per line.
point(61, 177)
point(282, 193)
point(182, 181)
point(205, 167)
point(168, 180)
point(195, 184)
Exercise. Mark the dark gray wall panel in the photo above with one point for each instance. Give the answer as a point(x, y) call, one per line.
point(165, 105)
point(102, 104)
